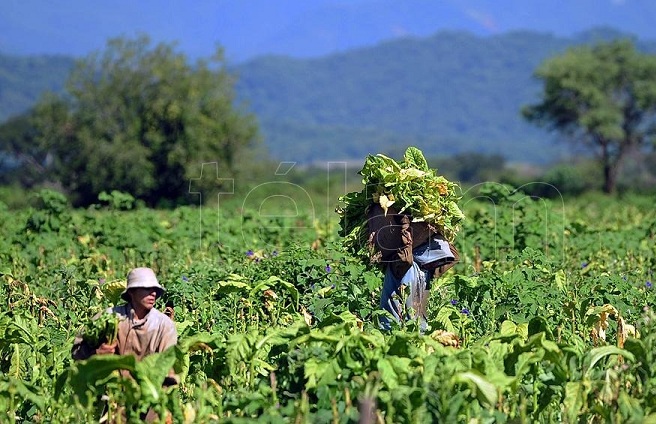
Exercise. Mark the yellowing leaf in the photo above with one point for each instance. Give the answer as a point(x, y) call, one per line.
point(306, 316)
point(84, 240)
point(189, 413)
point(112, 290)
point(446, 338)
point(385, 202)
point(561, 279)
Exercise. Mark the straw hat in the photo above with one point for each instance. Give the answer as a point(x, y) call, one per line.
point(142, 277)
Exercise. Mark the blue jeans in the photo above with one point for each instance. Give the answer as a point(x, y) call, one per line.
point(417, 280)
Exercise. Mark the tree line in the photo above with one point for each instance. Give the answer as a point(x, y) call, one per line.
point(139, 118)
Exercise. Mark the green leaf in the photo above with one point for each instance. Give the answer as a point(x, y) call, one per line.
point(151, 371)
point(576, 393)
point(444, 317)
point(239, 349)
point(387, 373)
point(10, 386)
point(415, 158)
point(17, 331)
point(263, 368)
point(486, 392)
point(15, 368)
point(561, 279)
point(274, 282)
point(598, 353)
point(231, 286)
point(508, 328)
point(320, 372)
point(90, 376)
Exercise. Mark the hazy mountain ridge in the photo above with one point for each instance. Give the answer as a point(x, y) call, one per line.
point(23, 79)
point(447, 93)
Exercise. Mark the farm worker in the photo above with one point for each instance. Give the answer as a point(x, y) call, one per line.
point(412, 254)
point(143, 329)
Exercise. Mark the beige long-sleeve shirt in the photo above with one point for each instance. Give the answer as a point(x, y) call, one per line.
point(139, 337)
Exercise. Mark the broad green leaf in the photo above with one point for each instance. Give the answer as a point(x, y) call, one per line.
point(444, 318)
point(231, 286)
point(263, 368)
point(89, 376)
point(431, 364)
point(415, 157)
point(151, 371)
point(195, 342)
point(598, 353)
point(486, 392)
point(576, 393)
point(508, 328)
point(319, 372)
point(387, 373)
point(18, 331)
point(239, 349)
point(400, 364)
point(10, 386)
point(525, 360)
point(16, 364)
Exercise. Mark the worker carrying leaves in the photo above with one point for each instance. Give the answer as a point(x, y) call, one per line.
point(141, 329)
point(405, 220)
point(134, 328)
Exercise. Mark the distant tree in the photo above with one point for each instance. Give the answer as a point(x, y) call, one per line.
point(604, 97)
point(470, 167)
point(22, 159)
point(140, 119)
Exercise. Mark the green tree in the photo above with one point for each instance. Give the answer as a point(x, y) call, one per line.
point(141, 119)
point(22, 160)
point(604, 97)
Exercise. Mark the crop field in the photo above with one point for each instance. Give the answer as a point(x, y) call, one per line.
point(547, 317)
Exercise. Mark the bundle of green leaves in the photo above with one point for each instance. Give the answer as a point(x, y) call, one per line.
point(103, 329)
point(411, 187)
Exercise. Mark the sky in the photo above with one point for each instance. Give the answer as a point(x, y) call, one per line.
point(297, 28)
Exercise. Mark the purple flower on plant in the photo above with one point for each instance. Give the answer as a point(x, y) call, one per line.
point(454, 302)
point(648, 284)
point(464, 311)
point(250, 253)
point(584, 264)
point(184, 278)
point(328, 268)
point(102, 281)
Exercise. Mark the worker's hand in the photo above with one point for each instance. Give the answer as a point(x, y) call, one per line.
point(105, 349)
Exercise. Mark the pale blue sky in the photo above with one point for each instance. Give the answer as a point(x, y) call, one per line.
point(300, 28)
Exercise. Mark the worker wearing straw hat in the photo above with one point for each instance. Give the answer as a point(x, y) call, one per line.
point(143, 329)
